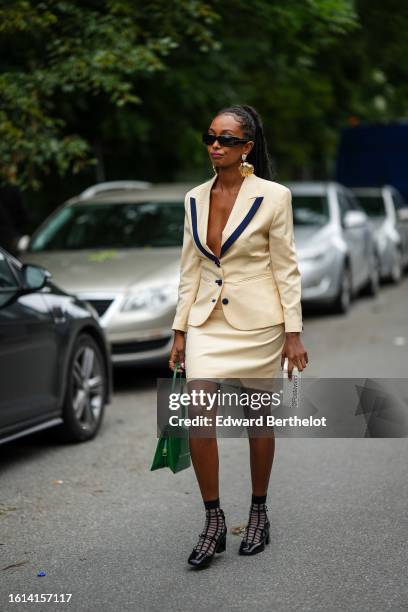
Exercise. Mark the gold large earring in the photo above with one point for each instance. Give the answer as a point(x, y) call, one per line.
point(244, 167)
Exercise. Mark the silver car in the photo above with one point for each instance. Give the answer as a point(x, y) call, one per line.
point(119, 249)
point(335, 245)
point(388, 213)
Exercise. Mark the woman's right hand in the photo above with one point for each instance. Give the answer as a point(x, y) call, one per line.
point(178, 350)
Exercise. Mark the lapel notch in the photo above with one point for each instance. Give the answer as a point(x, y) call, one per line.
point(245, 221)
point(240, 216)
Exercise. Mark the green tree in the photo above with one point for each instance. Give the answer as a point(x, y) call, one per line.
point(268, 56)
point(61, 57)
point(134, 84)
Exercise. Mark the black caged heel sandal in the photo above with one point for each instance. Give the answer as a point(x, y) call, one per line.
point(256, 536)
point(252, 548)
point(204, 551)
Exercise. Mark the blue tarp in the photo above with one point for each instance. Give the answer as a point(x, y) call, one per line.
point(374, 155)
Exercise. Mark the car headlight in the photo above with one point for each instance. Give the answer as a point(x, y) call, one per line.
point(150, 298)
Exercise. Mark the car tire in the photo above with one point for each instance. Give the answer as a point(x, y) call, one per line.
point(397, 268)
point(372, 287)
point(342, 302)
point(85, 395)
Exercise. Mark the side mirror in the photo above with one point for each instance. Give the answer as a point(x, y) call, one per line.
point(354, 218)
point(22, 243)
point(34, 277)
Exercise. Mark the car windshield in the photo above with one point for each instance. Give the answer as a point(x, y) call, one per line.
point(310, 209)
point(95, 225)
point(373, 205)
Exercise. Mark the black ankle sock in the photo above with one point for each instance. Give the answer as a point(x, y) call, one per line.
point(212, 503)
point(258, 499)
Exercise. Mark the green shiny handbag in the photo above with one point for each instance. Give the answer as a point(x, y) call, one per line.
point(173, 452)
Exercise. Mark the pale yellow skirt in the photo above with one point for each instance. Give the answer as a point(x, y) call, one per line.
point(216, 350)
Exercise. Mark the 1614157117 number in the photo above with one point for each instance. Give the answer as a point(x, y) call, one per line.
point(39, 597)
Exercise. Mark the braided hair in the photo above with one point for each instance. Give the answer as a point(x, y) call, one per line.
point(252, 127)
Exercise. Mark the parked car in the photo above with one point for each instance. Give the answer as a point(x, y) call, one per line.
point(335, 245)
point(388, 213)
point(120, 250)
point(93, 190)
point(55, 367)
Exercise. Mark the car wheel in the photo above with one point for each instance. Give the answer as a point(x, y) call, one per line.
point(373, 285)
point(84, 403)
point(396, 270)
point(341, 304)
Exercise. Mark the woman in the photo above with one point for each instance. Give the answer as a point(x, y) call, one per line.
point(238, 312)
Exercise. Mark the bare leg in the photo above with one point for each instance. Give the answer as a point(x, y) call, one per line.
point(204, 450)
point(204, 456)
point(262, 452)
point(262, 449)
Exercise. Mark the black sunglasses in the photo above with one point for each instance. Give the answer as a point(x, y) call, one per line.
point(224, 140)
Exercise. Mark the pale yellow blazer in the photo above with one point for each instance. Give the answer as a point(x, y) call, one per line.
point(257, 274)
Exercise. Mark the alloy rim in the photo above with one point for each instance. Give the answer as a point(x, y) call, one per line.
point(87, 392)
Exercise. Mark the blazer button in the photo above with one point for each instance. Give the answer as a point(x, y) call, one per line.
point(225, 301)
point(213, 300)
point(218, 281)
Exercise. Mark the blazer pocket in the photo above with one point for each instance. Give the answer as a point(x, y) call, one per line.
point(255, 277)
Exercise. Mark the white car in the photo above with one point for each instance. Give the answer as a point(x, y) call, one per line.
point(119, 249)
point(335, 244)
point(388, 213)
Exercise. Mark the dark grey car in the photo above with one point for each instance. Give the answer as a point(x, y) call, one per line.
point(55, 367)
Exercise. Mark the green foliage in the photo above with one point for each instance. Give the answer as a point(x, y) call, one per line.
point(268, 56)
point(58, 51)
point(131, 85)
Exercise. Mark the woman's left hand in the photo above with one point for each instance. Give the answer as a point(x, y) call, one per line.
point(295, 352)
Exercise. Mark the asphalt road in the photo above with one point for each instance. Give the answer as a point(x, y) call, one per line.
point(117, 536)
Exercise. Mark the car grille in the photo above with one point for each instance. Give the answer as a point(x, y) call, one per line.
point(101, 306)
point(137, 347)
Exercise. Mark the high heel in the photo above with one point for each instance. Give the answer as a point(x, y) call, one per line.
point(222, 543)
point(202, 558)
point(248, 548)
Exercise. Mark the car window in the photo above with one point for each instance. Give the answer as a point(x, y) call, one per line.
point(345, 203)
point(399, 201)
point(354, 202)
point(401, 206)
point(7, 278)
point(112, 225)
point(373, 205)
point(310, 209)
